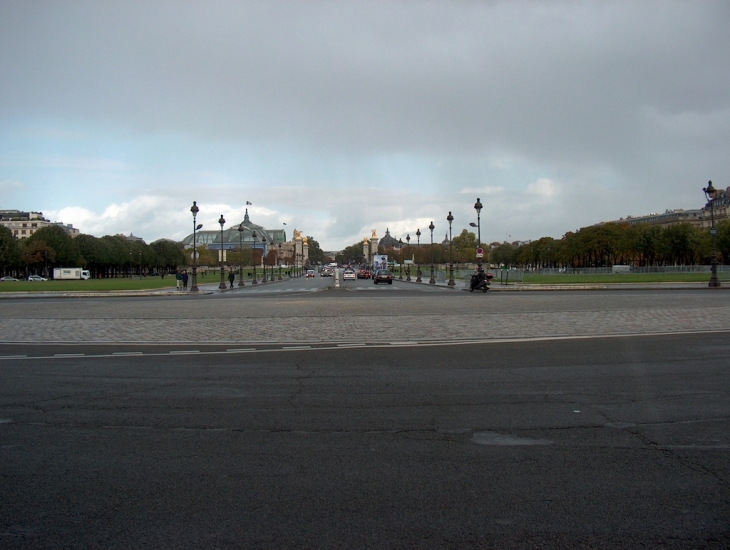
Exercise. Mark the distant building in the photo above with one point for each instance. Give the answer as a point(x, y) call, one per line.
point(24, 224)
point(699, 217)
point(255, 236)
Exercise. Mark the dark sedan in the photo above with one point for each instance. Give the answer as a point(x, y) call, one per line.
point(383, 276)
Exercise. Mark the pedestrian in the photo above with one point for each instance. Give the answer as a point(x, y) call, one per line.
point(231, 277)
point(178, 280)
point(185, 280)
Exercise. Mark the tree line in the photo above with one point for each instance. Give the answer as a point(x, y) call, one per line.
point(108, 256)
point(596, 246)
point(115, 256)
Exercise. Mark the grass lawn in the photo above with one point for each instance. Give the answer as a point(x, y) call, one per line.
point(107, 285)
point(623, 278)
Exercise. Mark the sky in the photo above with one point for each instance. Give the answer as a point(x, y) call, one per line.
point(339, 117)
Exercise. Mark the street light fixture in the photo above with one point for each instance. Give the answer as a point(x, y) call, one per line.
point(711, 193)
point(432, 281)
point(408, 267)
point(400, 253)
point(222, 286)
point(263, 262)
point(194, 283)
point(451, 282)
point(240, 251)
point(254, 235)
point(478, 207)
point(418, 257)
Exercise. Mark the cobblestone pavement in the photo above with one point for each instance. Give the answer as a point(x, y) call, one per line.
point(337, 316)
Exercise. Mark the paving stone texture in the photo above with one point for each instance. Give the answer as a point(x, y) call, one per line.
point(336, 316)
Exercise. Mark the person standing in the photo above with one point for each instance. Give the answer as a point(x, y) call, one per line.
point(185, 280)
point(231, 277)
point(178, 280)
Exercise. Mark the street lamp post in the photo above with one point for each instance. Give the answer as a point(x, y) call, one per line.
point(240, 251)
point(254, 282)
point(432, 281)
point(478, 207)
point(710, 193)
point(418, 256)
point(400, 253)
point(278, 260)
point(194, 283)
point(408, 266)
point(131, 269)
point(263, 262)
point(451, 282)
point(222, 286)
point(140, 264)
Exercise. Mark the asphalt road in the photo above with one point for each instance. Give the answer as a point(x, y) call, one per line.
point(613, 442)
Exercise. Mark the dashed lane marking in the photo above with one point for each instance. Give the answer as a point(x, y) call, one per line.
point(375, 344)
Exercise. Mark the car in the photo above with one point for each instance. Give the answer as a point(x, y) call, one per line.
point(363, 274)
point(326, 273)
point(9, 279)
point(383, 276)
point(36, 278)
point(310, 272)
point(348, 274)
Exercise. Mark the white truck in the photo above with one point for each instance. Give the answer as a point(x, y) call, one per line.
point(70, 273)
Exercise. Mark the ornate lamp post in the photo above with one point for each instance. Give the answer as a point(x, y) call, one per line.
point(278, 260)
point(400, 253)
point(432, 281)
point(222, 286)
point(194, 283)
point(140, 264)
point(240, 251)
point(254, 258)
point(131, 269)
point(451, 282)
point(478, 207)
point(418, 257)
point(408, 267)
point(263, 259)
point(711, 193)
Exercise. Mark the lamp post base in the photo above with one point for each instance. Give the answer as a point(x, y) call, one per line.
point(432, 281)
point(714, 281)
point(451, 282)
point(194, 280)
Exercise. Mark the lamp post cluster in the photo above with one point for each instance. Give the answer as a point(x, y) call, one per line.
point(450, 218)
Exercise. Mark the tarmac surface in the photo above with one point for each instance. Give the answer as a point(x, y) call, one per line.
point(291, 415)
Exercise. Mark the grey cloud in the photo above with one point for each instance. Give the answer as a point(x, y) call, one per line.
point(639, 91)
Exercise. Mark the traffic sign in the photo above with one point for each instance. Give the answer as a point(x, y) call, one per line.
point(713, 231)
point(480, 252)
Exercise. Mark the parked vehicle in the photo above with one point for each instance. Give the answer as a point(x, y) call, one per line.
point(480, 281)
point(383, 276)
point(9, 279)
point(36, 278)
point(70, 273)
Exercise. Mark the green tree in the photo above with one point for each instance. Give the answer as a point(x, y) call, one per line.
point(10, 251)
point(466, 242)
point(66, 250)
point(316, 254)
point(353, 252)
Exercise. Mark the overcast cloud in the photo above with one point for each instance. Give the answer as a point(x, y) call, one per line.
point(338, 117)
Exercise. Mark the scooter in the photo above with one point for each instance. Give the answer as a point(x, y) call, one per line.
point(480, 283)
